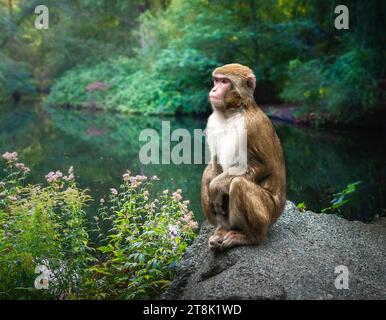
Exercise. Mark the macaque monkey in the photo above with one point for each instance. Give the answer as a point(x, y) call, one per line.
point(241, 195)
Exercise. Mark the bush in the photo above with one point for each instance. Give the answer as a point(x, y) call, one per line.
point(341, 91)
point(174, 84)
point(44, 238)
point(42, 229)
point(148, 238)
point(71, 88)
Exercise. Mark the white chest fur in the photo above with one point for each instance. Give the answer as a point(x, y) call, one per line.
point(226, 138)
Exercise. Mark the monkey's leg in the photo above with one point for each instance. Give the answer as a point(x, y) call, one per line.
point(250, 207)
point(211, 171)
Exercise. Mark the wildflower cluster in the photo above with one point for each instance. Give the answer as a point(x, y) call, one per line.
point(11, 159)
point(15, 174)
point(148, 237)
point(42, 228)
point(10, 156)
point(58, 175)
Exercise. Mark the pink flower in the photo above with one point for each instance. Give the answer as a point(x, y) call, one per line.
point(190, 225)
point(53, 176)
point(10, 156)
point(96, 86)
point(22, 167)
point(177, 196)
point(137, 180)
point(187, 217)
point(193, 224)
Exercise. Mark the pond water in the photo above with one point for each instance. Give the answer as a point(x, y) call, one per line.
point(101, 146)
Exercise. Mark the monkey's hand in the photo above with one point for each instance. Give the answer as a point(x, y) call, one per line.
point(219, 196)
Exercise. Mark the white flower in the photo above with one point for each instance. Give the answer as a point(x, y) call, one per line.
point(173, 231)
point(126, 176)
point(70, 174)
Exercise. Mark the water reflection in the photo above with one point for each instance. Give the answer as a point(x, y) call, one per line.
point(101, 146)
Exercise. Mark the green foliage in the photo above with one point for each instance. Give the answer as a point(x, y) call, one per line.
point(340, 198)
point(146, 241)
point(14, 76)
point(332, 75)
point(171, 47)
point(41, 226)
point(173, 84)
point(301, 206)
point(44, 232)
point(71, 88)
point(339, 91)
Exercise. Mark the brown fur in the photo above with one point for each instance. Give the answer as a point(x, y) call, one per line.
point(244, 207)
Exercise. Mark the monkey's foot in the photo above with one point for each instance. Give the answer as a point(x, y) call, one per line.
point(216, 239)
point(232, 239)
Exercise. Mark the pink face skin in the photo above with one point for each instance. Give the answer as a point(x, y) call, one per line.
point(222, 85)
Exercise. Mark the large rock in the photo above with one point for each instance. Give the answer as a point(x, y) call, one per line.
point(297, 261)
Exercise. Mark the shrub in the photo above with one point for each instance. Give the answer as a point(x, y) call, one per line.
point(341, 91)
point(44, 238)
point(174, 84)
point(71, 88)
point(41, 229)
point(148, 238)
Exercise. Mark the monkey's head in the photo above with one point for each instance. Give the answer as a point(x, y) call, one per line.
point(233, 87)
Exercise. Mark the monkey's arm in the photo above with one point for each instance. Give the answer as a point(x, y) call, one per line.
point(257, 170)
point(260, 151)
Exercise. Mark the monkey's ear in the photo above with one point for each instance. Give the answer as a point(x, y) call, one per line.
point(251, 82)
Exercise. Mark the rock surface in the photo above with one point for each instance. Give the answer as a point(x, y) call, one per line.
point(297, 261)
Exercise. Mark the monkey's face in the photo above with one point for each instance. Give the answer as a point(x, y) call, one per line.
point(221, 87)
point(233, 88)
